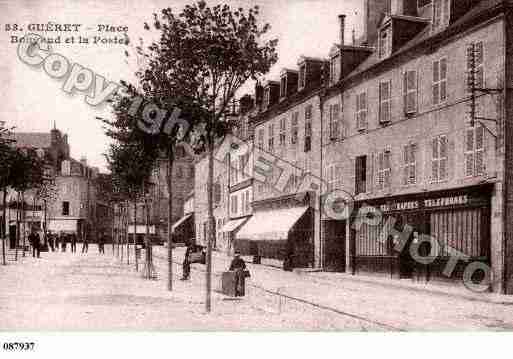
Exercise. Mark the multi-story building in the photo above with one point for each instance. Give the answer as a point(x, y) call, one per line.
point(410, 123)
point(72, 205)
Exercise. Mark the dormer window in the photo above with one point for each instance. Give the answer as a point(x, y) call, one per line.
point(302, 77)
point(283, 87)
point(385, 42)
point(441, 13)
point(267, 96)
point(334, 68)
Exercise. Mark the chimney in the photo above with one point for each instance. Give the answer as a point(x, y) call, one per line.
point(342, 20)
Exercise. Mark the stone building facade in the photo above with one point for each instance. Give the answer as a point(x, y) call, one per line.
point(386, 126)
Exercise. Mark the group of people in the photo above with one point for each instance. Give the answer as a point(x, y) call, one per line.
point(62, 239)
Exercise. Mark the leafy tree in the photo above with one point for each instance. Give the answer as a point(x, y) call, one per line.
point(203, 56)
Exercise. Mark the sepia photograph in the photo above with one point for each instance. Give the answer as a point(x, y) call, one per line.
point(210, 166)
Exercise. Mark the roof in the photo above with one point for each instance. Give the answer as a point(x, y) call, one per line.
point(425, 35)
point(33, 139)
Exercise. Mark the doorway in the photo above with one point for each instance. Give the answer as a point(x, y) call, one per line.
point(334, 245)
point(12, 236)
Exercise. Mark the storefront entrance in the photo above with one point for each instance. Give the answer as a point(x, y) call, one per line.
point(334, 245)
point(455, 219)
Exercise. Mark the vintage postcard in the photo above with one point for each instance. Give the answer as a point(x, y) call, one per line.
point(240, 165)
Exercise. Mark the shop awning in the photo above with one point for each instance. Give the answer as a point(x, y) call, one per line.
point(233, 224)
point(272, 224)
point(181, 221)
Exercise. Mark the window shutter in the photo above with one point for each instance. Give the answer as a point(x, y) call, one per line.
point(413, 163)
point(479, 154)
point(381, 165)
point(446, 12)
point(434, 159)
point(406, 165)
point(469, 152)
point(436, 85)
point(405, 92)
point(443, 76)
point(369, 175)
point(388, 169)
point(443, 158)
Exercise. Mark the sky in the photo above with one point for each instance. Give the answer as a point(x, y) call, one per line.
point(33, 101)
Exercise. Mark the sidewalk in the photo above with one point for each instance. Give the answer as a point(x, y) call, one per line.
point(399, 306)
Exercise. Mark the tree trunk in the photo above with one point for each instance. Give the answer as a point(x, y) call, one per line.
point(121, 229)
point(17, 226)
point(135, 233)
point(169, 176)
point(127, 237)
point(23, 220)
point(210, 221)
point(4, 224)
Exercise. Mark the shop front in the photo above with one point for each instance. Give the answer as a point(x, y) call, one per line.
point(281, 229)
point(415, 236)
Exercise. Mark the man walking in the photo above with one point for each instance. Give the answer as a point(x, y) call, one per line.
point(63, 241)
point(34, 242)
point(101, 244)
point(85, 245)
point(238, 265)
point(73, 243)
point(49, 235)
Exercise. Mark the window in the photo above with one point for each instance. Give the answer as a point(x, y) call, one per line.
point(234, 204)
point(384, 101)
point(410, 164)
point(474, 151)
point(335, 69)
point(302, 77)
point(267, 96)
point(179, 173)
point(439, 159)
point(242, 164)
point(270, 140)
point(475, 59)
point(283, 124)
point(248, 203)
point(261, 138)
point(439, 81)
point(385, 42)
point(219, 227)
point(441, 10)
point(333, 177)
point(65, 208)
point(243, 202)
point(334, 121)
point(384, 170)
point(410, 92)
point(283, 87)
point(308, 128)
point(361, 111)
point(360, 174)
point(294, 129)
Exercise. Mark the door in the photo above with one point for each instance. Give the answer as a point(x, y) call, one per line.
point(12, 237)
point(334, 246)
point(419, 224)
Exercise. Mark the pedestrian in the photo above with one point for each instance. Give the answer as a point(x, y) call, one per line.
point(73, 243)
point(239, 266)
point(49, 235)
point(85, 245)
point(101, 243)
point(186, 265)
point(34, 242)
point(64, 239)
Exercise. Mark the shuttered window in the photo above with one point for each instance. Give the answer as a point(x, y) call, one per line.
point(410, 164)
point(283, 124)
point(294, 128)
point(334, 121)
point(441, 14)
point(410, 92)
point(439, 81)
point(474, 151)
point(384, 170)
point(270, 139)
point(308, 128)
point(385, 89)
point(439, 159)
point(361, 111)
